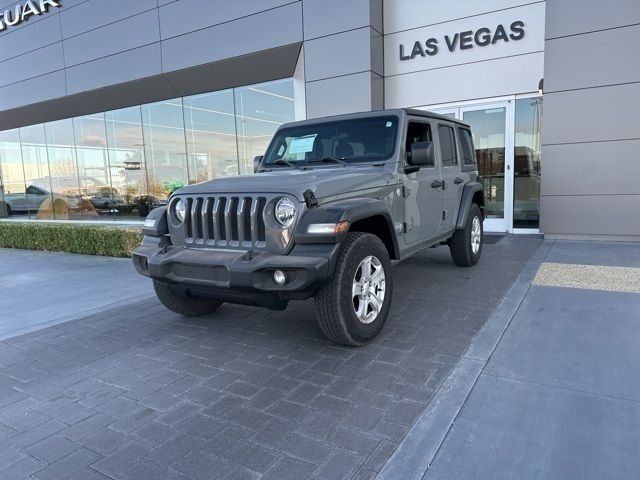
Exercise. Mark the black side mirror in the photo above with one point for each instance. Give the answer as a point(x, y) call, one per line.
point(423, 154)
point(256, 163)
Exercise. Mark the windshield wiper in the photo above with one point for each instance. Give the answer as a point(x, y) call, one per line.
point(331, 159)
point(286, 162)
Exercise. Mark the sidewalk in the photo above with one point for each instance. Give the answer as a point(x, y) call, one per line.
point(40, 289)
point(559, 395)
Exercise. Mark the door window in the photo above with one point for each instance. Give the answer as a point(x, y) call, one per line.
point(468, 158)
point(488, 126)
point(447, 146)
point(418, 132)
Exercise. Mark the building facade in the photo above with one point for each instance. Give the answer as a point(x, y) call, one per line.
point(108, 107)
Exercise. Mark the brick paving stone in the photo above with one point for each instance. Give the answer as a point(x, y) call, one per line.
point(306, 448)
point(137, 389)
point(291, 411)
point(290, 469)
point(69, 465)
point(52, 449)
point(103, 440)
point(341, 464)
point(202, 466)
point(240, 473)
point(155, 434)
point(404, 412)
point(22, 468)
point(118, 462)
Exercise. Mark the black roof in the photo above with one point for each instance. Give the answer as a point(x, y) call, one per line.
point(393, 111)
point(428, 114)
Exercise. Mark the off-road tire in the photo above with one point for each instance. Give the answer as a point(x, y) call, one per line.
point(334, 300)
point(182, 303)
point(460, 243)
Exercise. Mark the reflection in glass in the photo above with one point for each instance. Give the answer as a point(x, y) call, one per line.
point(260, 110)
point(526, 185)
point(211, 136)
point(165, 149)
point(13, 198)
point(126, 159)
point(123, 163)
point(36, 172)
point(488, 129)
point(93, 166)
point(68, 202)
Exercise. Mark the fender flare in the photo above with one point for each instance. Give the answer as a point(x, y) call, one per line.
point(350, 210)
point(470, 189)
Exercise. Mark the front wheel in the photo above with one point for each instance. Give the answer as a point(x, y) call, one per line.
point(353, 306)
point(466, 244)
point(183, 303)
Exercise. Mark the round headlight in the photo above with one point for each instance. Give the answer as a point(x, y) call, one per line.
point(180, 209)
point(285, 212)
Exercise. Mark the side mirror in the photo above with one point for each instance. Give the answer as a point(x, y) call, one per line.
point(423, 154)
point(256, 163)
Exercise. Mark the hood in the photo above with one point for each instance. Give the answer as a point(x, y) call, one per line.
point(323, 181)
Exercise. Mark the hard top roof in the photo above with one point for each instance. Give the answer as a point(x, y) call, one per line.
point(414, 112)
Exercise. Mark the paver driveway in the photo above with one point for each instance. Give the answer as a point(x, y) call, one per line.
point(139, 392)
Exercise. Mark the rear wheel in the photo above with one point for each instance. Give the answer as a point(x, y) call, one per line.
point(183, 303)
point(466, 244)
point(353, 306)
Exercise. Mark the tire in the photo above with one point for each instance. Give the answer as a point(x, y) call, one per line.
point(464, 251)
point(335, 301)
point(184, 304)
point(60, 210)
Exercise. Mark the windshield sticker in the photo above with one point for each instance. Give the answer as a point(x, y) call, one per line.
point(302, 144)
point(389, 124)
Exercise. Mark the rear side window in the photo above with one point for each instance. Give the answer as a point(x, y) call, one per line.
point(447, 146)
point(466, 145)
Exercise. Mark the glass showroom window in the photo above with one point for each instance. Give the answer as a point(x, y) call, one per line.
point(13, 197)
point(526, 185)
point(211, 136)
point(260, 110)
point(165, 149)
point(39, 201)
point(127, 166)
point(67, 201)
point(123, 163)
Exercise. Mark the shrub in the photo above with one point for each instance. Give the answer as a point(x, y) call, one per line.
point(57, 237)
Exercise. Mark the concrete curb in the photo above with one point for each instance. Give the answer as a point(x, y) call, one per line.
point(415, 454)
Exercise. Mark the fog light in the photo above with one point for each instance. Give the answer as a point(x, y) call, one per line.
point(279, 277)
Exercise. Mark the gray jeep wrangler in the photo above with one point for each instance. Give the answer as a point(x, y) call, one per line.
point(332, 202)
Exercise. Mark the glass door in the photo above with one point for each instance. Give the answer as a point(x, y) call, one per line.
point(490, 124)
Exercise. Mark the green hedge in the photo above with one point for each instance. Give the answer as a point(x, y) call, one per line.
point(59, 237)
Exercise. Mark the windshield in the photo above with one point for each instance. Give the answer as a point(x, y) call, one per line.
point(356, 140)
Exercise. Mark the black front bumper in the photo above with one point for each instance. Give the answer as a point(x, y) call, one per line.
point(236, 276)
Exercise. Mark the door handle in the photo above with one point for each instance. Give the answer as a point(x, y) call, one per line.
point(437, 184)
point(458, 181)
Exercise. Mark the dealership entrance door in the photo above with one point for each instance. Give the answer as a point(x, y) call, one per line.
point(490, 125)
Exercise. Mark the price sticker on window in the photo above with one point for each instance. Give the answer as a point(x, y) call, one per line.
point(302, 144)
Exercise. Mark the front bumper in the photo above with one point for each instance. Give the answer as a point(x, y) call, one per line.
point(235, 276)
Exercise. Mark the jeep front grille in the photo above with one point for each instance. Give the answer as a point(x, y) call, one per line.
point(225, 221)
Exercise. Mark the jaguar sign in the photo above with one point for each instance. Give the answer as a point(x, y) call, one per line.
point(25, 10)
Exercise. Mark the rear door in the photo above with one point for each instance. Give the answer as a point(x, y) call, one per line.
point(452, 175)
point(423, 197)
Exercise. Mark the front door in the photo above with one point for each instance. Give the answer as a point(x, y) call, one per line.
point(423, 195)
point(490, 124)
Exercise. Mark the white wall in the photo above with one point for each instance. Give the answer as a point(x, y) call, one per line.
point(501, 68)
